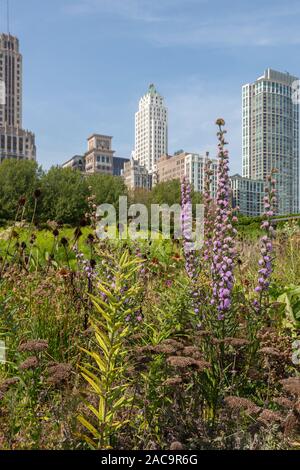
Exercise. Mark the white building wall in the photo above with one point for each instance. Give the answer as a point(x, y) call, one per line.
point(195, 172)
point(151, 129)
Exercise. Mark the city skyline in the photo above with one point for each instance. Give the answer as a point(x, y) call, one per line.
point(199, 72)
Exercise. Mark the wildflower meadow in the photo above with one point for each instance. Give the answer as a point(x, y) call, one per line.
point(147, 344)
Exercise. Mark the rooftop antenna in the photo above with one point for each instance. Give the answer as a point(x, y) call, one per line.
point(8, 16)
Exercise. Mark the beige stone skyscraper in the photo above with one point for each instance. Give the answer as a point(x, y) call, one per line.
point(15, 142)
point(151, 129)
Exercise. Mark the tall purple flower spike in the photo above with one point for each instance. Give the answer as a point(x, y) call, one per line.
point(208, 212)
point(266, 244)
point(187, 227)
point(223, 241)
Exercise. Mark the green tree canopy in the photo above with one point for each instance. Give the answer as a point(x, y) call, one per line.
point(107, 188)
point(64, 195)
point(169, 192)
point(18, 178)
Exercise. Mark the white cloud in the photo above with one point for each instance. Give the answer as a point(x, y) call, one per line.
point(243, 31)
point(148, 11)
point(193, 110)
point(191, 23)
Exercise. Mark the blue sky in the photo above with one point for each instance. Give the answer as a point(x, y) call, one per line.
point(87, 62)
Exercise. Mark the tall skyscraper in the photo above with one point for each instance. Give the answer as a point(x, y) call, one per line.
point(15, 142)
point(151, 129)
point(271, 135)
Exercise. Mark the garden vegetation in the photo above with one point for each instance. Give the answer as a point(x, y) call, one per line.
point(138, 344)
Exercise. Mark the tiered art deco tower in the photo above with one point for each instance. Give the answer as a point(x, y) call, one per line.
point(15, 142)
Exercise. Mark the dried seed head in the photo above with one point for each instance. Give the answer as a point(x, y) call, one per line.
point(220, 122)
point(241, 404)
point(268, 417)
point(291, 425)
point(64, 241)
point(176, 445)
point(145, 349)
point(77, 233)
point(237, 342)
point(165, 349)
point(59, 373)
point(172, 382)
point(83, 223)
point(38, 345)
point(291, 385)
point(5, 386)
point(64, 272)
point(172, 342)
point(181, 362)
point(272, 352)
point(284, 402)
point(90, 238)
point(192, 351)
point(22, 201)
point(30, 363)
point(93, 263)
point(143, 360)
point(203, 333)
point(201, 365)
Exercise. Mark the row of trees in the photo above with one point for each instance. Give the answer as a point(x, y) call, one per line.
point(63, 193)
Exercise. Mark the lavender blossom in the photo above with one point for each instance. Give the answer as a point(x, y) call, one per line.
point(208, 212)
point(86, 266)
point(223, 242)
point(186, 226)
point(188, 245)
point(266, 246)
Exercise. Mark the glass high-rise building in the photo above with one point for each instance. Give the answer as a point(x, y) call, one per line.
point(248, 195)
point(271, 135)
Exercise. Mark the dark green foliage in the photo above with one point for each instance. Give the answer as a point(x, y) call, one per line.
point(17, 179)
point(64, 194)
point(107, 188)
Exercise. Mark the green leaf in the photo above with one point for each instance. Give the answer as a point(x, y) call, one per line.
point(93, 384)
point(97, 358)
point(89, 426)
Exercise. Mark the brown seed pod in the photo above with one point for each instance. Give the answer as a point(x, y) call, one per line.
point(291, 385)
point(241, 404)
point(38, 345)
point(30, 363)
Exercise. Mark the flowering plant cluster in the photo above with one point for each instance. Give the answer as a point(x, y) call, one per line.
point(266, 250)
point(208, 211)
point(224, 250)
point(186, 227)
